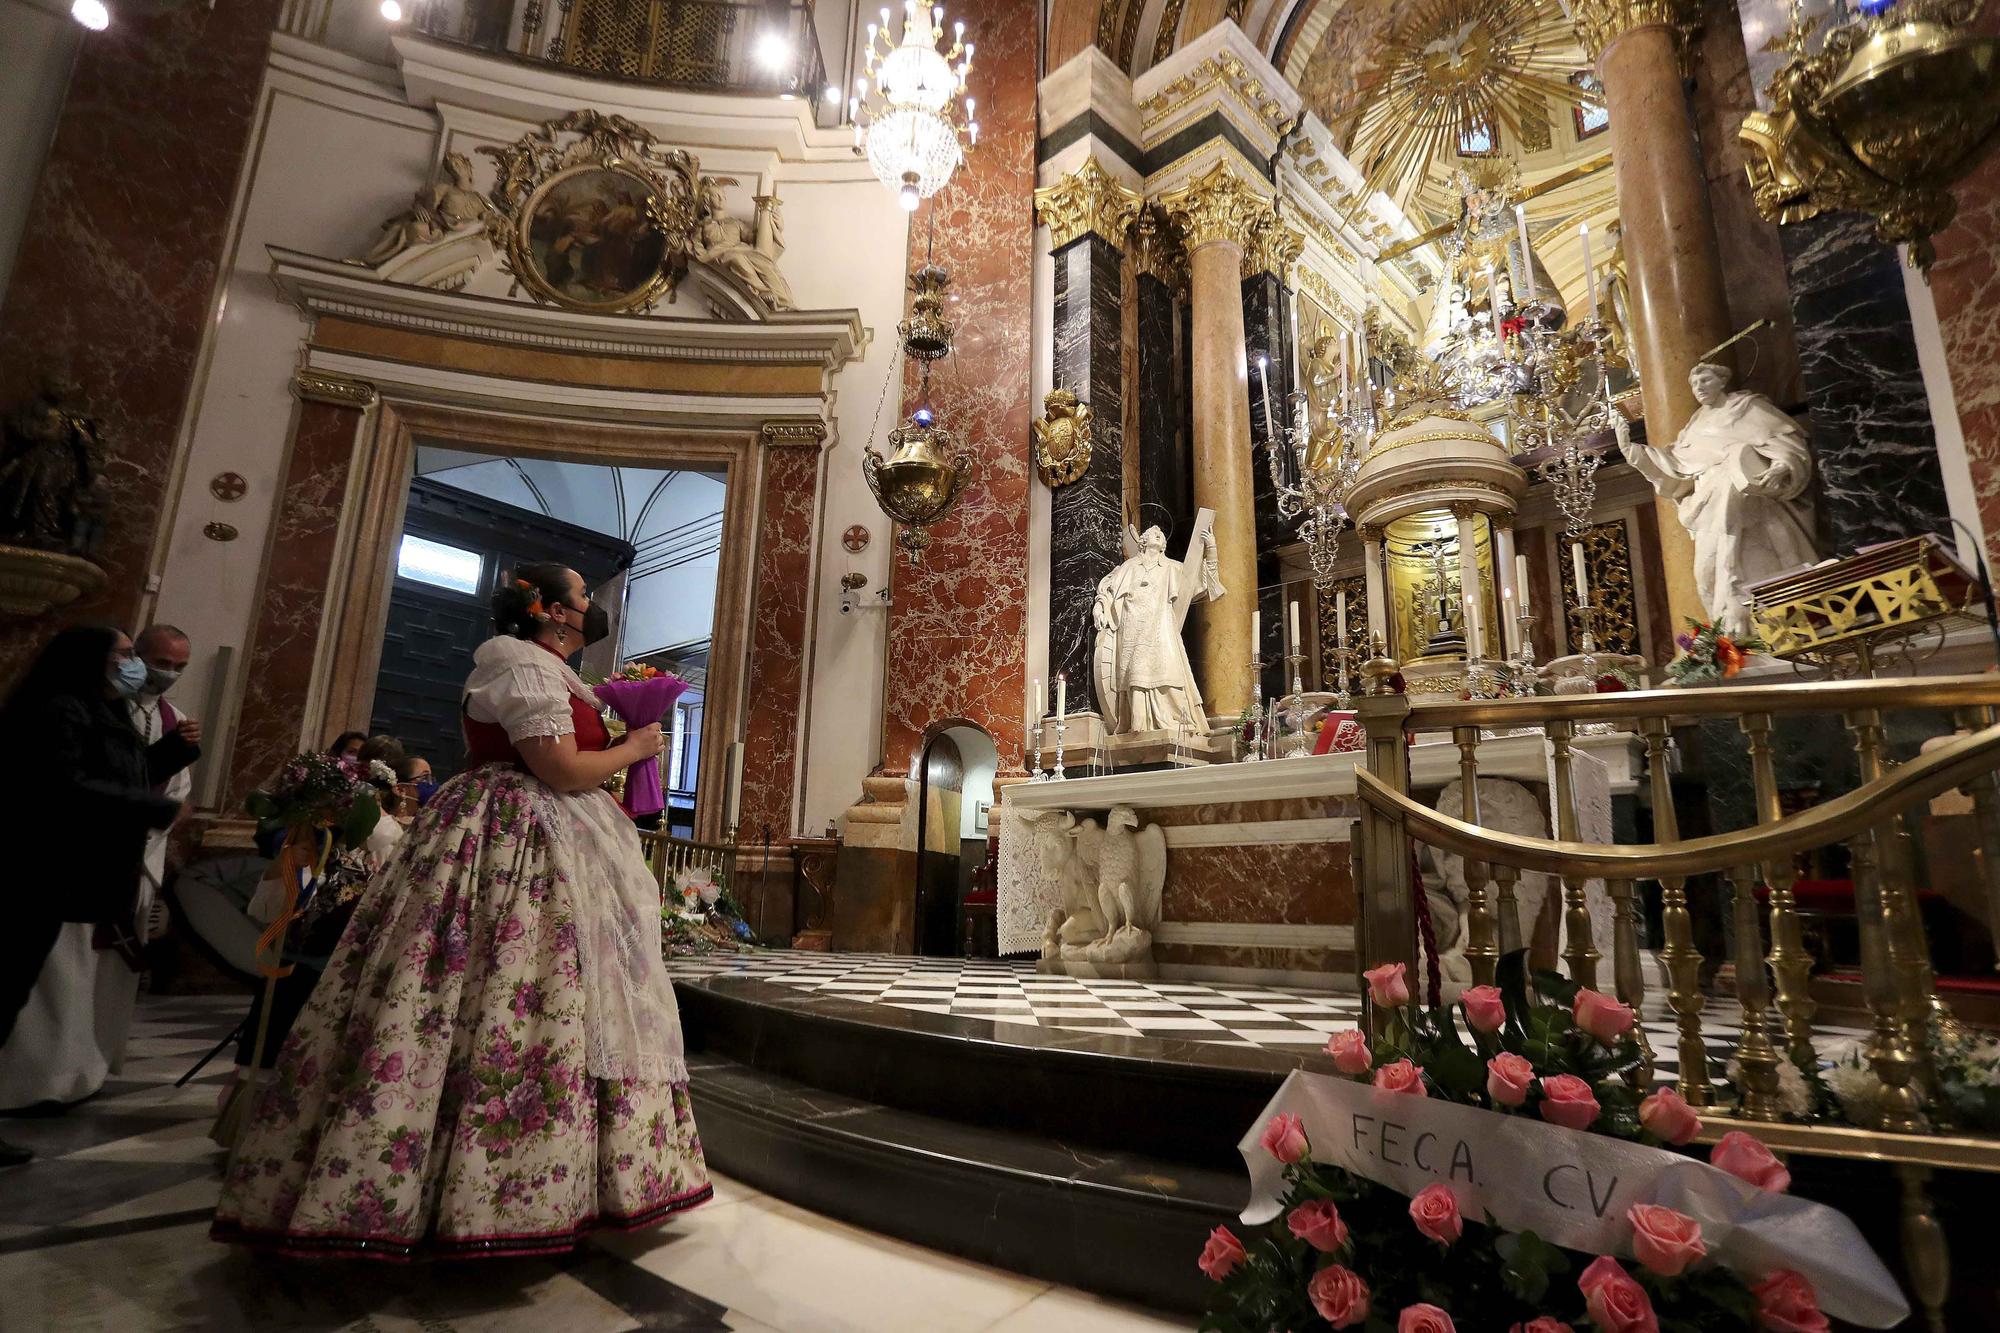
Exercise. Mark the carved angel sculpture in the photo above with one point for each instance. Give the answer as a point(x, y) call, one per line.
point(438, 209)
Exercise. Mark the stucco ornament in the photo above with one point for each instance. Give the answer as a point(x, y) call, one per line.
point(1062, 438)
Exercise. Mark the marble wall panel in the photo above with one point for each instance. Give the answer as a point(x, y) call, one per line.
point(278, 669)
point(778, 642)
point(1965, 284)
point(1166, 473)
point(1269, 884)
point(1336, 964)
point(113, 280)
point(957, 630)
point(1879, 475)
point(1085, 516)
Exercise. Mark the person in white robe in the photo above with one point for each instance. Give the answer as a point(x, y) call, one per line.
point(1139, 665)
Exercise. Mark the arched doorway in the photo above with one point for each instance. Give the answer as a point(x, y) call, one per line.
point(955, 771)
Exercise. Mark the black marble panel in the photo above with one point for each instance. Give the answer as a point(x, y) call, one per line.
point(1872, 438)
point(1085, 516)
point(1267, 333)
point(1166, 458)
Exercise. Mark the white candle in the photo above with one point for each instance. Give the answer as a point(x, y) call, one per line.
point(1576, 565)
point(1340, 616)
point(1256, 627)
point(1292, 609)
point(1034, 702)
point(1062, 695)
point(1493, 296)
point(1527, 255)
point(1521, 580)
point(1264, 390)
point(1473, 646)
point(1589, 273)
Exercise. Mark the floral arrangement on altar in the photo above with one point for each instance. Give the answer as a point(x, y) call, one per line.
point(1968, 1078)
point(700, 917)
point(1707, 655)
point(1346, 1252)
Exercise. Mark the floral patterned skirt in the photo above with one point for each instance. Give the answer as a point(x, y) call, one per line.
point(433, 1097)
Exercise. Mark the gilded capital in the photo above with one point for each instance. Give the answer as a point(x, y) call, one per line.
point(1601, 22)
point(1088, 201)
point(316, 386)
point(1272, 248)
point(796, 433)
point(1217, 205)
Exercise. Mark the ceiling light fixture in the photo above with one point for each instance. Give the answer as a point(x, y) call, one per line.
point(774, 51)
point(918, 110)
point(91, 14)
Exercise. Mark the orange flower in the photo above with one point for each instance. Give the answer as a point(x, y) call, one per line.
point(534, 598)
point(1728, 656)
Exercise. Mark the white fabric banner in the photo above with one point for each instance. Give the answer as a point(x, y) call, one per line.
point(1569, 1187)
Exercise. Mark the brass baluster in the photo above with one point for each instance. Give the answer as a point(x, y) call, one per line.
point(1899, 1106)
point(1926, 1257)
point(1755, 1055)
point(1791, 965)
point(1909, 951)
point(1986, 814)
point(1388, 919)
point(1578, 949)
point(1626, 972)
point(1482, 950)
point(1505, 877)
point(1678, 954)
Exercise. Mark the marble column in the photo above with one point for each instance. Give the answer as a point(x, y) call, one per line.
point(1503, 579)
point(1965, 284)
point(1374, 574)
point(1166, 465)
point(1089, 215)
point(1680, 308)
point(780, 630)
point(1216, 211)
point(1463, 516)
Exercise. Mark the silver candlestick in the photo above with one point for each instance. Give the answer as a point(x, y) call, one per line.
point(1295, 707)
point(1269, 737)
point(1475, 674)
point(1062, 727)
point(1036, 770)
point(1524, 657)
point(1252, 753)
point(1589, 616)
point(1342, 699)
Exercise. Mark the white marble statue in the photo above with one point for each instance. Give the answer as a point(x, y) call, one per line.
point(438, 210)
point(1504, 807)
point(751, 256)
point(1139, 665)
point(1131, 878)
point(1737, 475)
point(1068, 850)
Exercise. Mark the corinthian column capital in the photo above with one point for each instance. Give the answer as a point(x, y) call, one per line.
point(1601, 22)
point(1217, 205)
point(1088, 201)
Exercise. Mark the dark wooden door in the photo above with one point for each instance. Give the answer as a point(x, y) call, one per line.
point(426, 653)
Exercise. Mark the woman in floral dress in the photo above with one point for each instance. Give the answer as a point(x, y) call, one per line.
point(492, 1063)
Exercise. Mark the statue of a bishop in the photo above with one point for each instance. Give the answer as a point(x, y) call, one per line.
point(1139, 665)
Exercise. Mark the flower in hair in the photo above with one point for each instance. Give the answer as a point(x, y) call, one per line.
point(534, 597)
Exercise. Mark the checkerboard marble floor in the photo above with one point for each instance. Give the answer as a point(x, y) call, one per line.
point(108, 1229)
point(1272, 1017)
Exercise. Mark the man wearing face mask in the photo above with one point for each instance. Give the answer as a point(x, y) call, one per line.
point(164, 650)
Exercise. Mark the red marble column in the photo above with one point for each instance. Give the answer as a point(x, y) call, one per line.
point(115, 274)
point(278, 667)
point(779, 644)
point(957, 629)
point(1965, 283)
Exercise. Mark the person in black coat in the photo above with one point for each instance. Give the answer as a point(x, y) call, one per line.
point(75, 771)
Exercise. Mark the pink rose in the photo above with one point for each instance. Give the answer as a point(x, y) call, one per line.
point(1786, 1304)
point(1318, 1224)
point(1663, 1240)
point(1747, 1159)
point(1542, 1323)
point(1669, 1118)
point(1616, 1303)
point(1508, 1078)
point(1340, 1296)
point(1221, 1255)
point(1285, 1137)
point(1568, 1101)
point(1401, 1076)
point(1424, 1319)
point(1484, 1010)
point(1350, 1052)
point(1387, 986)
point(1601, 1016)
point(1435, 1211)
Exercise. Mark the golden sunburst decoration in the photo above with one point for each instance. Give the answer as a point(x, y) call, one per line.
point(1449, 68)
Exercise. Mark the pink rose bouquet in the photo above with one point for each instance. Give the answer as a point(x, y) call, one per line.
point(640, 700)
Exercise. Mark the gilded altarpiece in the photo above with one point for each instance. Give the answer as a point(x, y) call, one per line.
point(1356, 588)
point(1607, 551)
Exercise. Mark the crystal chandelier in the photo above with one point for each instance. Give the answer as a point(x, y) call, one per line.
point(913, 119)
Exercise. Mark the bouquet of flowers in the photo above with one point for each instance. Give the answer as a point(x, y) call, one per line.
point(1345, 1252)
point(1968, 1078)
point(700, 917)
point(316, 792)
point(641, 695)
point(1708, 655)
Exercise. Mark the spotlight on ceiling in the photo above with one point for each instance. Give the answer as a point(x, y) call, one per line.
point(91, 14)
point(774, 52)
point(392, 10)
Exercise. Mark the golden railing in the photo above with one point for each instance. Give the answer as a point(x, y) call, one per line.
point(1772, 987)
point(667, 856)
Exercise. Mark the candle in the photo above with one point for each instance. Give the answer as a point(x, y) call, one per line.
point(1062, 695)
point(1576, 565)
point(1473, 646)
point(1527, 255)
point(1293, 619)
point(1256, 630)
point(1589, 273)
point(1521, 580)
point(1264, 391)
point(1340, 616)
point(1034, 701)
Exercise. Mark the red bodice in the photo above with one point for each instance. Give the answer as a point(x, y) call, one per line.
point(487, 743)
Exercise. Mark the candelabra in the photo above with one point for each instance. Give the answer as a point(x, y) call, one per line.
point(1295, 707)
point(1036, 770)
point(1342, 698)
point(1475, 673)
point(1323, 468)
point(1269, 736)
point(1587, 618)
point(1524, 656)
point(1062, 728)
point(1252, 753)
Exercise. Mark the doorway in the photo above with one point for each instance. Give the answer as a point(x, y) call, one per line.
point(955, 799)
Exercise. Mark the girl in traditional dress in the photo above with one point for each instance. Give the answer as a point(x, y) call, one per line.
point(492, 1063)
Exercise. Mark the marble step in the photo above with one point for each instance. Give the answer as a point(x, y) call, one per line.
point(1173, 1098)
point(1118, 1223)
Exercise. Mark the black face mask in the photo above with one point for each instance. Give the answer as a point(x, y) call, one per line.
point(596, 624)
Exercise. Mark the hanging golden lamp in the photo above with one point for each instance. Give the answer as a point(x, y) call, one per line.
point(925, 472)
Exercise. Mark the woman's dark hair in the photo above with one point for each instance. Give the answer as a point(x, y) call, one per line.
point(343, 740)
point(406, 767)
point(385, 748)
point(72, 663)
point(514, 606)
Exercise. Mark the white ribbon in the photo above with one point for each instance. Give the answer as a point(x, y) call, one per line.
point(1569, 1187)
